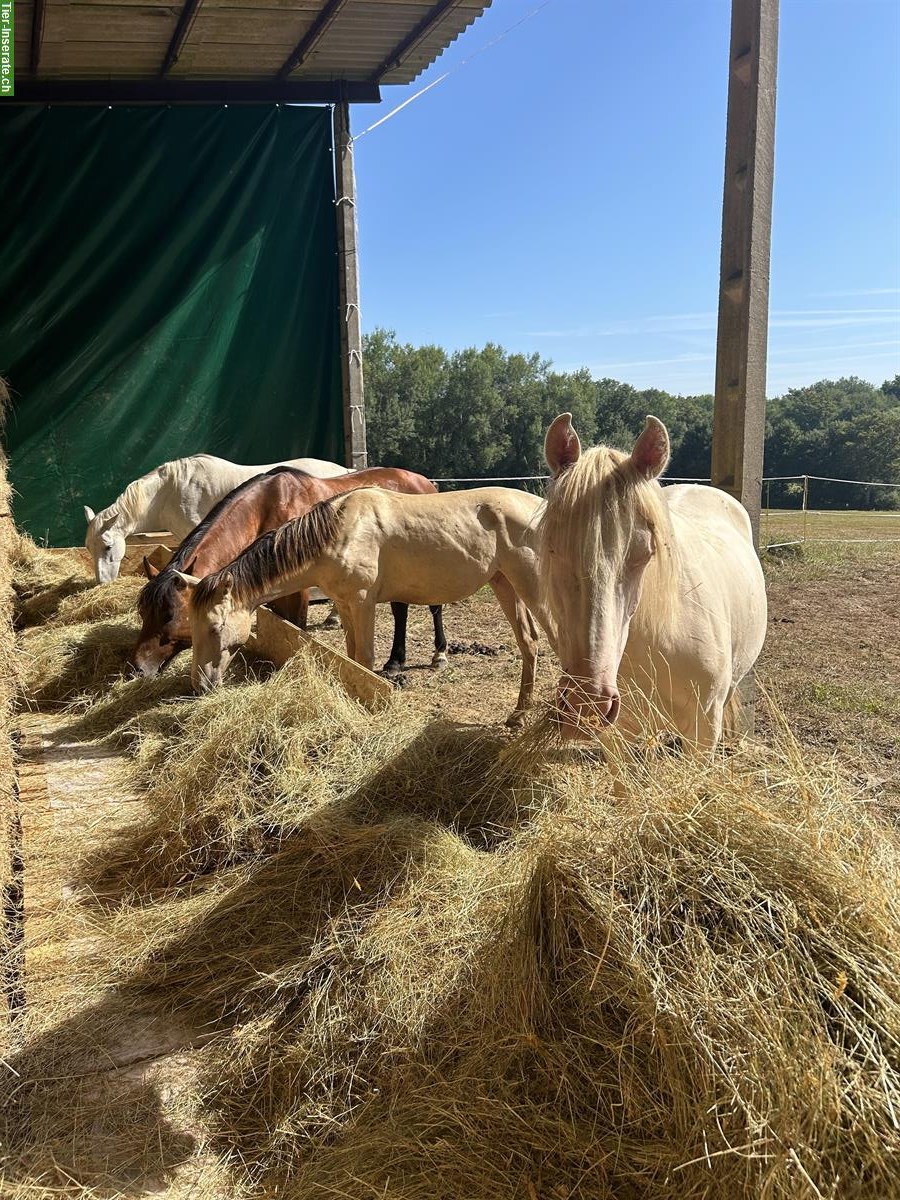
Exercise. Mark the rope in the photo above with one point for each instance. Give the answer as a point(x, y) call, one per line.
point(452, 71)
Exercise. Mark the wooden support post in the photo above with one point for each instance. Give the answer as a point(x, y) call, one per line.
point(740, 407)
point(348, 283)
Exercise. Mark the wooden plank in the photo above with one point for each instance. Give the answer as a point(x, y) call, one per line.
point(278, 641)
point(132, 564)
point(227, 27)
point(355, 454)
point(146, 88)
point(740, 406)
point(119, 24)
point(150, 539)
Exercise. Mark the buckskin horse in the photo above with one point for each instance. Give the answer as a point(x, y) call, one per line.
point(372, 546)
point(256, 506)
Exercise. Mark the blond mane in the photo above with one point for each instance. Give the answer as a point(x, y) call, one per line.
point(590, 515)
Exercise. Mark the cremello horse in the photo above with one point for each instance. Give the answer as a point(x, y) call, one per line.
point(657, 588)
point(176, 497)
point(372, 546)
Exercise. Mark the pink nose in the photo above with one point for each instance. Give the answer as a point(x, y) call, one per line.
point(582, 703)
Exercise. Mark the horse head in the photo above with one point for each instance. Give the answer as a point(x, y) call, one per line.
point(219, 627)
point(604, 523)
point(105, 543)
point(164, 607)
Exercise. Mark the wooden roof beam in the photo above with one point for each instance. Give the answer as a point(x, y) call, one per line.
point(180, 36)
point(37, 35)
point(191, 91)
point(405, 47)
point(312, 37)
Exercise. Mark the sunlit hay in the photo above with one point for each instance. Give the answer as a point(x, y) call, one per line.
point(683, 985)
point(229, 774)
point(102, 602)
point(11, 955)
point(43, 578)
point(62, 663)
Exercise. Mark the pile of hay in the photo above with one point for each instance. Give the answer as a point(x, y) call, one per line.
point(10, 830)
point(419, 961)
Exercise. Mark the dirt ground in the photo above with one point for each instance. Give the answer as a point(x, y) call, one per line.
point(831, 661)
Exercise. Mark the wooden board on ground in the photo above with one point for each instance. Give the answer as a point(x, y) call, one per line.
point(278, 641)
point(158, 554)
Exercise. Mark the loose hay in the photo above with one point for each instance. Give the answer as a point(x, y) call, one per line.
point(62, 663)
point(430, 964)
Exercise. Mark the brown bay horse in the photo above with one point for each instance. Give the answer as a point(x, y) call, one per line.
point(252, 509)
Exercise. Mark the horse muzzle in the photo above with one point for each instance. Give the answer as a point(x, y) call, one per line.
point(584, 708)
point(149, 658)
point(204, 680)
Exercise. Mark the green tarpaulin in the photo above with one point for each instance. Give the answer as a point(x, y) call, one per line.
point(168, 285)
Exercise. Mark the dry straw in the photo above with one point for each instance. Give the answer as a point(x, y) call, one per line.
point(422, 962)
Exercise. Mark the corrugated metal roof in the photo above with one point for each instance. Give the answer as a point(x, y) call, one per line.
point(374, 41)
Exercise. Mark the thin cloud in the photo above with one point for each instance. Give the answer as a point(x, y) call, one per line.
point(699, 322)
point(883, 291)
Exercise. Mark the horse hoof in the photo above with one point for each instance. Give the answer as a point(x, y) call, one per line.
point(391, 668)
point(515, 720)
point(439, 661)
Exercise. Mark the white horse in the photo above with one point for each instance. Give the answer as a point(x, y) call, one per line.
point(371, 546)
point(175, 497)
point(660, 588)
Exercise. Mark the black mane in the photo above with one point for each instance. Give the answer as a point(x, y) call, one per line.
point(156, 596)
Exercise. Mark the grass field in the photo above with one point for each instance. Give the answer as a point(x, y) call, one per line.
point(827, 526)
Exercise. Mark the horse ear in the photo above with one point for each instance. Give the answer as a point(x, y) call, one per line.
point(561, 445)
point(650, 453)
point(190, 580)
point(89, 514)
point(149, 570)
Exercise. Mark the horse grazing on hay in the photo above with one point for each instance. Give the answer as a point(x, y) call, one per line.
point(260, 504)
point(372, 546)
point(658, 587)
point(175, 496)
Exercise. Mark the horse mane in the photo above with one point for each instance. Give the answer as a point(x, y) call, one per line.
point(156, 596)
point(589, 518)
point(274, 555)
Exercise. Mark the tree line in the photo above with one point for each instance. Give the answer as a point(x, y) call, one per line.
point(483, 412)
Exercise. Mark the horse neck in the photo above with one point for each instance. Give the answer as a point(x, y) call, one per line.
point(295, 581)
point(232, 530)
point(136, 508)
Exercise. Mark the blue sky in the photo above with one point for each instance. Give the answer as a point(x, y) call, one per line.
point(562, 192)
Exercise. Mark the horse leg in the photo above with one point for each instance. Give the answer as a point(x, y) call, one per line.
point(333, 620)
point(397, 659)
point(364, 633)
point(345, 615)
point(440, 642)
point(524, 628)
